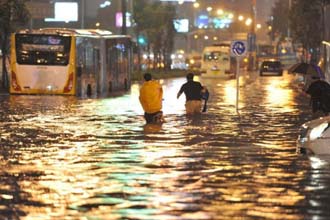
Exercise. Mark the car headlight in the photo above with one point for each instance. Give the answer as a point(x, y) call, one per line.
point(318, 130)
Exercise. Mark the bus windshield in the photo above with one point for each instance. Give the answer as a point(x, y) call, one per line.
point(215, 55)
point(32, 49)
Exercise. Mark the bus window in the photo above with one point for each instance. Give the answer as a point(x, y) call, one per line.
point(42, 49)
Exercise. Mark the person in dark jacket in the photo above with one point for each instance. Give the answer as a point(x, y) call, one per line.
point(193, 92)
point(319, 91)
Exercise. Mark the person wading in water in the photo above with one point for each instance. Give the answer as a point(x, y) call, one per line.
point(151, 97)
point(194, 92)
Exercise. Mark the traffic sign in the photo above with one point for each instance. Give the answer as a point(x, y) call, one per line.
point(238, 48)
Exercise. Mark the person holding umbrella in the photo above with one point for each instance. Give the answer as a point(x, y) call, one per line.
point(319, 91)
point(307, 72)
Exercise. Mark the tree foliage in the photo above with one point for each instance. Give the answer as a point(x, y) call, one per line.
point(279, 20)
point(306, 20)
point(155, 22)
point(13, 15)
point(306, 25)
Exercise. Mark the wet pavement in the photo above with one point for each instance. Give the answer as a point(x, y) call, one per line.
point(69, 158)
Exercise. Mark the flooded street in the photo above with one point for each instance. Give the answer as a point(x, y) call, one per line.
point(69, 158)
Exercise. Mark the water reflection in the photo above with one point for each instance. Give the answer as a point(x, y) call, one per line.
point(68, 158)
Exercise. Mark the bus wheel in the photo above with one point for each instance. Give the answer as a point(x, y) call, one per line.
point(89, 90)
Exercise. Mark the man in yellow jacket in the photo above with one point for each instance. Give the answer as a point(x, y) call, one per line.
point(151, 96)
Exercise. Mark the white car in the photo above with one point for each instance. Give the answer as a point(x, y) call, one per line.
point(314, 136)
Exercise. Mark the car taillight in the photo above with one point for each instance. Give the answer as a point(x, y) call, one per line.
point(69, 84)
point(14, 82)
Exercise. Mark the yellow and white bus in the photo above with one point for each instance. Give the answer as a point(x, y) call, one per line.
point(69, 62)
point(217, 61)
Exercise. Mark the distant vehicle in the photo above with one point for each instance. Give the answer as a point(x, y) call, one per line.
point(271, 67)
point(314, 136)
point(194, 62)
point(69, 62)
point(179, 60)
point(217, 62)
point(265, 52)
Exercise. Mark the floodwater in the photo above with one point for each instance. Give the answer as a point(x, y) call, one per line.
point(94, 159)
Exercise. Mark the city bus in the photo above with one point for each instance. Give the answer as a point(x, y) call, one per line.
point(62, 61)
point(216, 61)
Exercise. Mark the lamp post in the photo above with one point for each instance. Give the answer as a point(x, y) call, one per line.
point(124, 10)
point(324, 36)
point(83, 10)
point(289, 30)
point(252, 38)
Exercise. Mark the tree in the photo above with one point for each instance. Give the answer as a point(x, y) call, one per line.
point(322, 4)
point(13, 14)
point(168, 36)
point(305, 23)
point(279, 20)
point(140, 24)
point(154, 21)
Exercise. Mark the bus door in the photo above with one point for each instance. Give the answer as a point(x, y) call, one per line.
point(87, 66)
point(97, 68)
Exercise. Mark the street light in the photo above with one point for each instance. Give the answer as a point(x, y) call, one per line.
point(83, 10)
point(248, 22)
point(196, 5)
point(123, 11)
point(219, 11)
point(252, 38)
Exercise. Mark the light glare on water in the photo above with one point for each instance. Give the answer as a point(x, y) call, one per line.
point(69, 158)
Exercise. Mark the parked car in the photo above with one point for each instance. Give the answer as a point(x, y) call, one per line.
point(271, 67)
point(314, 136)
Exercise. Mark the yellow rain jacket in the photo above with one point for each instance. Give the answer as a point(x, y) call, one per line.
point(151, 95)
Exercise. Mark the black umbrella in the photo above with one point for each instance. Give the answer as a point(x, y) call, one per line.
point(306, 68)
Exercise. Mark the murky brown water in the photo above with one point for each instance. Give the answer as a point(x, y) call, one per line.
point(67, 158)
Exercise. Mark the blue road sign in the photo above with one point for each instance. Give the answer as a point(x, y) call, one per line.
point(238, 48)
